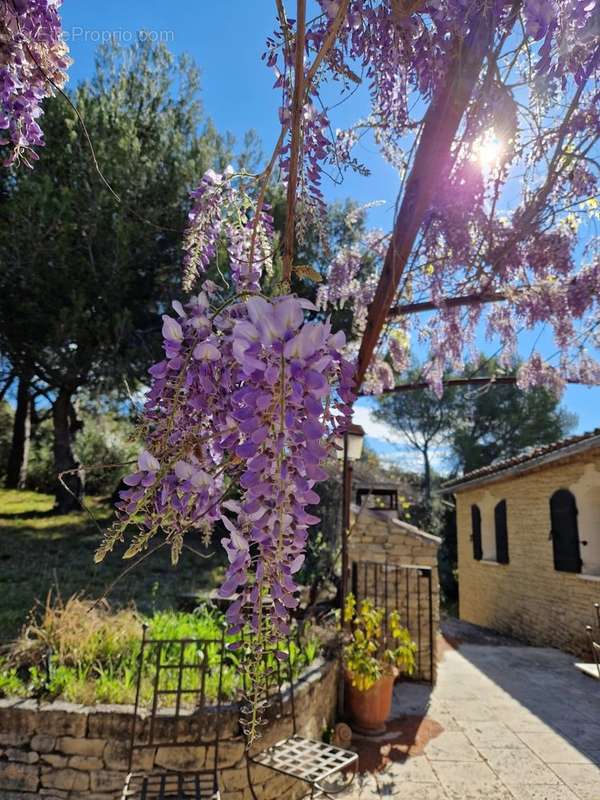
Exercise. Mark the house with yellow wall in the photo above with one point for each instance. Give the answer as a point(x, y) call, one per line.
point(528, 534)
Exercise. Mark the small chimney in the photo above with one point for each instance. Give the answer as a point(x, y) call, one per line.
point(379, 497)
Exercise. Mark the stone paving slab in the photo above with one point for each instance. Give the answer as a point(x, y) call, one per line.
point(519, 766)
point(452, 746)
point(519, 723)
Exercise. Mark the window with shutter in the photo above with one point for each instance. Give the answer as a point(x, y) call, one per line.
point(476, 532)
point(564, 531)
point(501, 527)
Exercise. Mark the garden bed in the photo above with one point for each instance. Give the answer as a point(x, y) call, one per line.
point(66, 721)
point(77, 651)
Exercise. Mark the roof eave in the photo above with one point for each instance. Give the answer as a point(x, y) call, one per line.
point(525, 466)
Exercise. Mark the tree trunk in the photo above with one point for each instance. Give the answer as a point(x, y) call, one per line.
point(16, 471)
point(427, 479)
point(67, 497)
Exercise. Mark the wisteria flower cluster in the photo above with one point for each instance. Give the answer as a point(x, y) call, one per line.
point(33, 60)
point(248, 397)
point(222, 211)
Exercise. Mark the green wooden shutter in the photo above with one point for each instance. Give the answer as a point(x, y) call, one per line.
point(501, 526)
point(476, 532)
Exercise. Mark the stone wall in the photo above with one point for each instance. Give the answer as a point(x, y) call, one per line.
point(527, 598)
point(62, 751)
point(380, 537)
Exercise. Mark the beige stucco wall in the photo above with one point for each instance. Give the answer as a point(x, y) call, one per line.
point(377, 536)
point(528, 597)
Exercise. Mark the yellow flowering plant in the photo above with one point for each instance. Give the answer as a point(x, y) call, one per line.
point(374, 648)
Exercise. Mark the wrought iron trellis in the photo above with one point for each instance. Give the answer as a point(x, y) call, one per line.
point(325, 768)
point(180, 672)
point(408, 589)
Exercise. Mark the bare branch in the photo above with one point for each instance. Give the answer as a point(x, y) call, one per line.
point(420, 385)
point(296, 143)
point(450, 302)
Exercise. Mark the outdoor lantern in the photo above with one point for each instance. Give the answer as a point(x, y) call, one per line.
point(351, 449)
point(354, 437)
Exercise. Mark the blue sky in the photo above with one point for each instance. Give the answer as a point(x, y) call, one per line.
point(226, 39)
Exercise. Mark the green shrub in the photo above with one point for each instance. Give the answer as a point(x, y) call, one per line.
point(105, 439)
point(94, 653)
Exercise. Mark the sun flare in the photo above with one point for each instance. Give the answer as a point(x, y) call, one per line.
point(488, 150)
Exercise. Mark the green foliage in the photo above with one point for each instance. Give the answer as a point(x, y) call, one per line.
point(86, 270)
point(375, 649)
point(6, 424)
point(424, 421)
point(94, 653)
point(105, 442)
point(475, 426)
point(91, 275)
point(501, 421)
point(105, 439)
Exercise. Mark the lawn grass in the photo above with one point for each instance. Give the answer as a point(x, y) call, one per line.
point(41, 551)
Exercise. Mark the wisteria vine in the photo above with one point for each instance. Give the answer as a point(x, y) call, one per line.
point(516, 200)
point(33, 62)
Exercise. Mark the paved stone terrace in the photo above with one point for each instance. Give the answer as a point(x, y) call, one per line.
point(519, 723)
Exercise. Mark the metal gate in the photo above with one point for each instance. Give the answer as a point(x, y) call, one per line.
point(408, 589)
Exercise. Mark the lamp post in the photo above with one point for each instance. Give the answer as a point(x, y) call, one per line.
point(350, 452)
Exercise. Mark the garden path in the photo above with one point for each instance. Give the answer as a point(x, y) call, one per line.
point(517, 723)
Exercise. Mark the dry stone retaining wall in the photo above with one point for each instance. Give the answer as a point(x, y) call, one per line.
point(63, 751)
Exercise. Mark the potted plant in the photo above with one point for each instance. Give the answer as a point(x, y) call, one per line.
point(374, 655)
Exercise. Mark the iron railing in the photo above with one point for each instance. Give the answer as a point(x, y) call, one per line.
point(407, 588)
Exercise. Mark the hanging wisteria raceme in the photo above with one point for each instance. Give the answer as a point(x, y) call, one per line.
point(33, 58)
point(221, 210)
point(250, 250)
point(248, 395)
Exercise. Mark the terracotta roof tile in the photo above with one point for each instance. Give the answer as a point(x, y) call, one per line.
point(531, 454)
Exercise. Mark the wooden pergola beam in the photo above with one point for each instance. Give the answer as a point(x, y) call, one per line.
point(420, 385)
point(431, 162)
point(450, 302)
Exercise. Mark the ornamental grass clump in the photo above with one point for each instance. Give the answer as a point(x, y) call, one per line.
point(375, 649)
point(85, 652)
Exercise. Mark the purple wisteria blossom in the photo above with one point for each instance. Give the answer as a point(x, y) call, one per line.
point(220, 211)
point(205, 220)
point(33, 57)
point(251, 396)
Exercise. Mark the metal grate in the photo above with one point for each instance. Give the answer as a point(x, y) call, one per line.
point(183, 681)
point(171, 786)
point(306, 759)
point(185, 676)
point(405, 588)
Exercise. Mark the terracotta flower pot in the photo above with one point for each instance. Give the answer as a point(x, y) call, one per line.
point(369, 709)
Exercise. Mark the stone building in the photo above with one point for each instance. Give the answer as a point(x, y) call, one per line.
point(529, 543)
point(397, 561)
